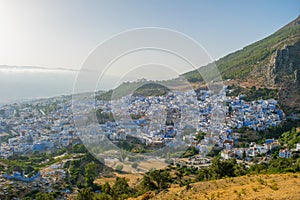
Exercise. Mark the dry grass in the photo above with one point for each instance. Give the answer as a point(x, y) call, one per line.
point(147, 165)
point(133, 179)
point(275, 187)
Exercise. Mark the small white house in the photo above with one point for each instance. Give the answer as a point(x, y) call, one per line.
point(285, 153)
point(298, 147)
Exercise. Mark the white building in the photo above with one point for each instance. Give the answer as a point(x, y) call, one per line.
point(285, 153)
point(298, 147)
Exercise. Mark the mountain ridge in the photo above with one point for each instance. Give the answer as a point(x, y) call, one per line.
point(272, 62)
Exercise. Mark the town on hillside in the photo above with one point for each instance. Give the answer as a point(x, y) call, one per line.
point(177, 118)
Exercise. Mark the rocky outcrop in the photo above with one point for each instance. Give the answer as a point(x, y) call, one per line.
point(273, 62)
point(285, 66)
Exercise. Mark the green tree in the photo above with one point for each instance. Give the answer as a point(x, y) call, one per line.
point(200, 136)
point(44, 196)
point(156, 180)
point(134, 165)
point(120, 188)
point(179, 175)
point(240, 170)
point(119, 167)
point(204, 174)
point(85, 194)
point(79, 148)
point(280, 165)
point(102, 196)
point(106, 188)
point(90, 172)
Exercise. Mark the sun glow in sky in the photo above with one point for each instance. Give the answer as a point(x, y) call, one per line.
point(62, 33)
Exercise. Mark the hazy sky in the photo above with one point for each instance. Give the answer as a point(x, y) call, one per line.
point(62, 33)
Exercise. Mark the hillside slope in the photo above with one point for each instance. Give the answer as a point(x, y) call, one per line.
point(273, 62)
point(273, 186)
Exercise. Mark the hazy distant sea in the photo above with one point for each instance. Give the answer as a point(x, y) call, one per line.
point(16, 85)
point(23, 83)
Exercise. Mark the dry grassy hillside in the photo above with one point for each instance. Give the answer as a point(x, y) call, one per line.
point(269, 187)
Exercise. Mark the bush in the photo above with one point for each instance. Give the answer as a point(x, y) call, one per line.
point(134, 165)
point(156, 180)
point(120, 188)
point(119, 167)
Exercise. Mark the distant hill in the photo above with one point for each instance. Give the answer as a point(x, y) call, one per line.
point(273, 62)
point(145, 88)
point(151, 89)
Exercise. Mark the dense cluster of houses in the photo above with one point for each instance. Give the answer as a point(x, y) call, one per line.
point(258, 115)
point(31, 129)
point(252, 151)
point(172, 119)
point(20, 177)
point(166, 118)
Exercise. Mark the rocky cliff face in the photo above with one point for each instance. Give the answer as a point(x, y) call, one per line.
point(284, 73)
point(280, 70)
point(273, 62)
point(285, 66)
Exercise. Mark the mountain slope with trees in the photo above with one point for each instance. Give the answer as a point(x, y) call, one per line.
point(273, 62)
